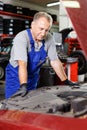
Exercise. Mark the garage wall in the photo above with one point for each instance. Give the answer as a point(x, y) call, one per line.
point(29, 5)
point(54, 28)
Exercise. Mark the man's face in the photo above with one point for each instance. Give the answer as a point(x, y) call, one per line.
point(40, 28)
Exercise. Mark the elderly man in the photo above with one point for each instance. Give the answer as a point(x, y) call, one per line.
point(30, 49)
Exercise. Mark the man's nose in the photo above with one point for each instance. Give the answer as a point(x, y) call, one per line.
point(43, 32)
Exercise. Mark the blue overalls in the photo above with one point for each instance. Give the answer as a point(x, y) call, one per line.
point(35, 61)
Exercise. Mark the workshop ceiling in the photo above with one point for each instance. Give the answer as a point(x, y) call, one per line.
point(43, 3)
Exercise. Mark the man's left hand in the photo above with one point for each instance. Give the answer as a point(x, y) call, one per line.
point(71, 84)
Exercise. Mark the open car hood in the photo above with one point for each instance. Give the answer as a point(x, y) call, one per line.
point(78, 17)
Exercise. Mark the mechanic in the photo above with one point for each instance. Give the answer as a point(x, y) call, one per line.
point(30, 50)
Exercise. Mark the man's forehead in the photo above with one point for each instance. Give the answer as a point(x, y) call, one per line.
point(41, 19)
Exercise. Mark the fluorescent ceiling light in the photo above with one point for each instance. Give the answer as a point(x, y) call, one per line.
point(53, 4)
point(71, 4)
point(68, 3)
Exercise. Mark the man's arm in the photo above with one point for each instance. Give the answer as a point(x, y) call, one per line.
point(22, 71)
point(58, 68)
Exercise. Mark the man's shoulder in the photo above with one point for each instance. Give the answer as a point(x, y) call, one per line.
point(49, 37)
point(23, 32)
point(49, 34)
point(21, 35)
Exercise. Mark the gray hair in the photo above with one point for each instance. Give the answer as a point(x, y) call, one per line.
point(43, 14)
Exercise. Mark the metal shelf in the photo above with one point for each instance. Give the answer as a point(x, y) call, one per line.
point(15, 15)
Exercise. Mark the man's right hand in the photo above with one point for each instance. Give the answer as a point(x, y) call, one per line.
point(22, 91)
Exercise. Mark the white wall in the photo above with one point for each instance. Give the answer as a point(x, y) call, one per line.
point(64, 20)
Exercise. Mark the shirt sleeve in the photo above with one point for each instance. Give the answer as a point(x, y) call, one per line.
point(52, 53)
point(19, 49)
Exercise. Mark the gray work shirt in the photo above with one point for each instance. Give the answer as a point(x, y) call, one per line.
point(21, 44)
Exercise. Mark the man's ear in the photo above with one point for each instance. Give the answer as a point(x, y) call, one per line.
point(32, 23)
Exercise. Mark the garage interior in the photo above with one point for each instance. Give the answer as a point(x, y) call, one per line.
point(69, 30)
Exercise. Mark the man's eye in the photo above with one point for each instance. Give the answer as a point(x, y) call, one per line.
point(41, 29)
point(47, 30)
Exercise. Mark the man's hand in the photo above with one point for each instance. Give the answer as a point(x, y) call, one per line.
point(22, 91)
point(71, 84)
